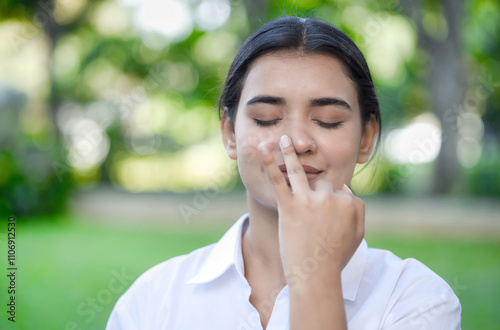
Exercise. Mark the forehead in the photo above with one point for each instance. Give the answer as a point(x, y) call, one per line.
point(295, 76)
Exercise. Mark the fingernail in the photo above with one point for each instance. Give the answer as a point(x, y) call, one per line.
point(348, 188)
point(285, 141)
point(263, 148)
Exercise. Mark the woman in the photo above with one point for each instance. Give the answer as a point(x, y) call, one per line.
point(298, 111)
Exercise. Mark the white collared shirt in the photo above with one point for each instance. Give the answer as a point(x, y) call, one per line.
point(207, 289)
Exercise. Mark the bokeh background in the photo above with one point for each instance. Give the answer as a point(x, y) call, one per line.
point(111, 158)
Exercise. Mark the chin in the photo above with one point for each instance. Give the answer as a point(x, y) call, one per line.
point(263, 202)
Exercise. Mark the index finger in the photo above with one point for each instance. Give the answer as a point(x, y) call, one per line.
point(295, 171)
point(274, 173)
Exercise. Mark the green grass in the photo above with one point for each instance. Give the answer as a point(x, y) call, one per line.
point(65, 266)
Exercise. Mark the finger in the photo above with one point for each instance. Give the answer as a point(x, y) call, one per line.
point(294, 169)
point(347, 189)
point(360, 212)
point(274, 173)
point(360, 219)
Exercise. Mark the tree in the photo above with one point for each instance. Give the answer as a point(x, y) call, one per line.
point(446, 78)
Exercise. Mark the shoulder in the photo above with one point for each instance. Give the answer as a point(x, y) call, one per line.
point(144, 299)
point(401, 273)
point(419, 299)
point(388, 264)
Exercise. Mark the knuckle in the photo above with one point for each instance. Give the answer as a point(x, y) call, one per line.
point(296, 170)
point(344, 199)
point(303, 198)
point(268, 161)
point(275, 179)
point(324, 195)
point(359, 202)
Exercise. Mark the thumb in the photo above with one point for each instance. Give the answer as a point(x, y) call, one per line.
point(360, 211)
point(347, 189)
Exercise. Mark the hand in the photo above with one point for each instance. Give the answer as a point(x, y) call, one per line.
point(320, 229)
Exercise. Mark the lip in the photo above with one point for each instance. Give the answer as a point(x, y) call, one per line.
point(311, 172)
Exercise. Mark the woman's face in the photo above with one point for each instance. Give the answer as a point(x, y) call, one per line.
point(310, 99)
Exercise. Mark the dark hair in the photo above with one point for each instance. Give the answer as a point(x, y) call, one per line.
point(304, 35)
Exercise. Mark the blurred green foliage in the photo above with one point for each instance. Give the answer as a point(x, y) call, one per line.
point(26, 191)
point(31, 178)
point(104, 101)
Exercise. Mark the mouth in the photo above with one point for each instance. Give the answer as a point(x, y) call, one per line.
point(311, 172)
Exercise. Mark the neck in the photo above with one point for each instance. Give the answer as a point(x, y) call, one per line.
point(261, 249)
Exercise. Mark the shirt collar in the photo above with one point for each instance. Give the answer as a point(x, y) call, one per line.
point(227, 252)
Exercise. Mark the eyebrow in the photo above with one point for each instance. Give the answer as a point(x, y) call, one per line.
point(330, 101)
point(319, 102)
point(274, 100)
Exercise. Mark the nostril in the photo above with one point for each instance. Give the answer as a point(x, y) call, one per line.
point(304, 145)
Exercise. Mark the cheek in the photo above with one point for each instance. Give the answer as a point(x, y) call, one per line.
point(345, 150)
point(248, 140)
point(250, 163)
point(247, 149)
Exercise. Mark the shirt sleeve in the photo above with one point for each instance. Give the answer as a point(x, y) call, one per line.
point(125, 315)
point(435, 314)
point(142, 305)
point(427, 304)
point(120, 319)
point(130, 310)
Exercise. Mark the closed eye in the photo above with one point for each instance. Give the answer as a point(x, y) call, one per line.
point(266, 122)
point(329, 125)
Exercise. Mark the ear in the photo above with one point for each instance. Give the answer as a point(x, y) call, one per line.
point(228, 138)
point(368, 138)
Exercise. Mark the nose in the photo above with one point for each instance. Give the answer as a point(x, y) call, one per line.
point(302, 140)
